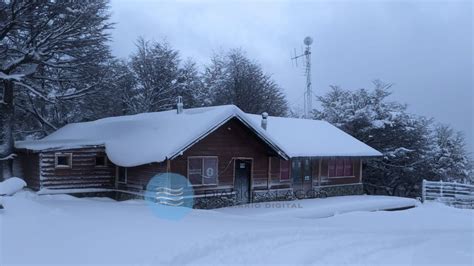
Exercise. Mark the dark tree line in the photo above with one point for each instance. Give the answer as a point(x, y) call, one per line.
point(414, 147)
point(154, 75)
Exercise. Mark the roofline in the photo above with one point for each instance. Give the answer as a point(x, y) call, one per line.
point(338, 156)
point(268, 142)
point(271, 144)
point(59, 148)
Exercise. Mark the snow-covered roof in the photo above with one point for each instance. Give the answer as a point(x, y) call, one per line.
point(316, 138)
point(148, 137)
point(154, 137)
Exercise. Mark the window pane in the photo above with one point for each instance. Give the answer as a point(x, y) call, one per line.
point(63, 160)
point(284, 170)
point(348, 167)
point(195, 171)
point(332, 168)
point(210, 171)
point(339, 167)
point(100, 160)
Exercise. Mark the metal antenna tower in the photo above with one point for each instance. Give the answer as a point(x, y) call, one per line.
point(308, 94)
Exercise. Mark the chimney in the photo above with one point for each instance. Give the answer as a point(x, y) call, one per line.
point(264, 120)
point(179, 105)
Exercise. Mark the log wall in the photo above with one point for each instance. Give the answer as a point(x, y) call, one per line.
point(82, 174)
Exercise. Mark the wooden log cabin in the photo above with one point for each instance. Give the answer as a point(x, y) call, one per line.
point(228, 156)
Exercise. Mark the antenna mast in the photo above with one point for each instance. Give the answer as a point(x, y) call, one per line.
point(308, 94)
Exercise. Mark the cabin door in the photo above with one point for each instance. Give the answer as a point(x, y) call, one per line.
point(243, 170)
point(302, 178)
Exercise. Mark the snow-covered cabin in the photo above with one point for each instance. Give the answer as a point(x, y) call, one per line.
point(225, 154)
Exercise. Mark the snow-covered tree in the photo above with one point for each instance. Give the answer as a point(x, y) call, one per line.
point(232, 78)
point(50, 51)
point(190, 85)
point(159, 77)
point(113, 98)
point(411, 150)
point(451, 162)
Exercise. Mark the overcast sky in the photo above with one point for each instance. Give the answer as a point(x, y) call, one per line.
point(424, 47)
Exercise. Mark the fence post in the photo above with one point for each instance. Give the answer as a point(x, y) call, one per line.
point(423, 191)
point(441, 190)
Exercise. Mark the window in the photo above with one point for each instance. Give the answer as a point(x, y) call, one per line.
point(332, 168)
point(340, 168)
point(284, 170)
point(348, 171)
point(100, 161)
point(122, 175)
point(202, 170)
point(63, 160)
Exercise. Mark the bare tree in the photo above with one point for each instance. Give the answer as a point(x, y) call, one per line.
point(50, 51)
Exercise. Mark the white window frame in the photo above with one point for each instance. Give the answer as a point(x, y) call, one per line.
point(105, 160)
point(202, 169)
point(60, 166)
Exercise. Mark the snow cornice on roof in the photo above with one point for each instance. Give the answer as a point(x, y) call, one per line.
point(155, 137)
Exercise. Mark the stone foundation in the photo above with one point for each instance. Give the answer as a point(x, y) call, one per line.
point(220, 200)
point(103, 194)
point(273, 195)
point(127, 196)
point(343, 190)
point(213, 202)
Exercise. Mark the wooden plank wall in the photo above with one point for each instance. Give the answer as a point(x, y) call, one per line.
point(231, 140)
point(275, 182)
point(139, 176)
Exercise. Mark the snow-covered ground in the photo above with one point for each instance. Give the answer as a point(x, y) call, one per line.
point(64, 230)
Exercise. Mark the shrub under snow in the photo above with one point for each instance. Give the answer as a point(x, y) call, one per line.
point(11, 186)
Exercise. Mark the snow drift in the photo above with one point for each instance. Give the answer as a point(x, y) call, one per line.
point(11, 186)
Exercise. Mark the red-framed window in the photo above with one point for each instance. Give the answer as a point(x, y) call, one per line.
point(348, 167)
point(332, 168)
point(284, 170)
point(203, 170)
point(340, 168)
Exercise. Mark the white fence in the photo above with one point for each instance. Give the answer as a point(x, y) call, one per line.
point(454, 194)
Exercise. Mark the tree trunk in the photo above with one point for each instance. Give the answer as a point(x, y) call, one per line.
point(6, 131)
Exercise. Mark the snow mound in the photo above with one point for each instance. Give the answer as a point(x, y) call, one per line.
point(322, 208)
point(103, 232)
point(11, 186)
